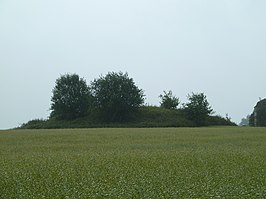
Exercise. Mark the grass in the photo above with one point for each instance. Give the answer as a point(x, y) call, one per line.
point(145, 117)
point(219, 162)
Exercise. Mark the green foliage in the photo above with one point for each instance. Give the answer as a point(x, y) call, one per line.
point(116, 96)
point(198, 108)
point(260, 113)
point(252, 120)
point(218, 121)
point(261, 117)
point(133, 163)
point(169, 101)
point(34, 124)
point(258, 117)
point(146, 116)
point(114, 100)
point(152, 116)
point(70, 98)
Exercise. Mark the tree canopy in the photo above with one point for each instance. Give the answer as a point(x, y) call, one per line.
point(258, 117)
point(168, 100)
point(70, 97)
point(116, 96)
point(198, 108)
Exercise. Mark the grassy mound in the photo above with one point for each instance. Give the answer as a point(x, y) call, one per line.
point(147, 116)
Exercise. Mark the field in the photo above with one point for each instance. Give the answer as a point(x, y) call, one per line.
point(218, 162)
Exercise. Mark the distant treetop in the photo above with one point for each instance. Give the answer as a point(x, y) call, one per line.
point(169, 101)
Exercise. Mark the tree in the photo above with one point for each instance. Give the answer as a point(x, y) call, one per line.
point(245, 121)
point(70, 98)
point(198, 108)
point(252, 120)
point(259, 114)
point(168, 100)
point(116, 96)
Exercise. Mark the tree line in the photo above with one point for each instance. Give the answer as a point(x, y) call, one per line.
point(115, 97)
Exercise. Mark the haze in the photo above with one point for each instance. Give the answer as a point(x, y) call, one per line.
point(215, 47)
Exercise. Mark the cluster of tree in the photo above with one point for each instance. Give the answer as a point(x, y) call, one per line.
point(197, 109)
point(115, 98)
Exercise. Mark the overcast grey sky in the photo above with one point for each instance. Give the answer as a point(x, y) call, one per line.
point(210, 46)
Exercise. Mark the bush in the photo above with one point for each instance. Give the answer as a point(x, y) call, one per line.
point(34, 124)
point(218, 121)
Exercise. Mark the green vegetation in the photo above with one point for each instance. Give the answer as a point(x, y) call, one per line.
point(116, 97)
point(146, 116)
point(133, 163)
point(198, 108)
point(70, 98)
point(114, 100)
point(168, 100)
point(258, 117)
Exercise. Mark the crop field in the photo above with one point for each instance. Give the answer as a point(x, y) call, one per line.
point(218, 162)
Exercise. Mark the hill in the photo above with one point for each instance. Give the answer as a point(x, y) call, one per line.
point(146, 116)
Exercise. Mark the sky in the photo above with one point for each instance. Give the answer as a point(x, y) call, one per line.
point(214, 47)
